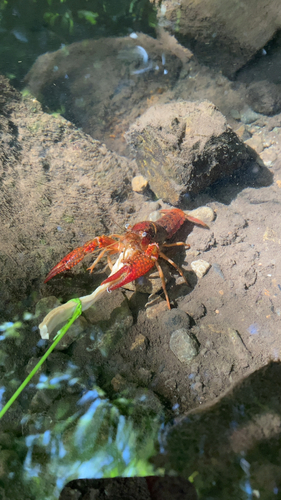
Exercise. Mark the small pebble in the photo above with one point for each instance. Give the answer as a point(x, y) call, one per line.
point(139, 184)
point(194, 309)
point(235, 114)
point(200, 267)
point(155, 215)
point(118, 383)
point(183, 345)
point(140, 341)
point(206, 214)
point(243, 133)
point(249, 116)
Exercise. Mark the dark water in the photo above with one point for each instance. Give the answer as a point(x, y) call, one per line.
point(31, 28)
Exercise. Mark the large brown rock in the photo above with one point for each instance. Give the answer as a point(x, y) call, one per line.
point(184, 147)
point(227, 34)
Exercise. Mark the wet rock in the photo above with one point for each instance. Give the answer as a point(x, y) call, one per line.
point(200, 267)
point(255, 426)
point(57, 361)
point(44, 306)
point(8, 462)
point(72, 494)
point(155, 310)
point(77, 329)
point(255, 143)
point(225, 35)
point(235, 114)
point(264, 97)
point(174, 320)
point(144, 375)
point(147, 401)
point(268, 156)
point(63, 408)
point(184, 147)
point(107, 307)
point(241, 350)
point(110, 319)
point(29, 367)
point(249, 116)
point(193, 309)
point(243, 133)
point(43, 399)
point(183, 345)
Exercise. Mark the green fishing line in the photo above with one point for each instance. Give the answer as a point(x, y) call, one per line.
point(77, 312)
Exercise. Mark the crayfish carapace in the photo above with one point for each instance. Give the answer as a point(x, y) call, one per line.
point(142, 245)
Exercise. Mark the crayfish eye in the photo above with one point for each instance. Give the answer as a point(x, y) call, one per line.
point(144, 234)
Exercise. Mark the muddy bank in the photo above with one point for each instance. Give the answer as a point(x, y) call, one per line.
point(59, 188)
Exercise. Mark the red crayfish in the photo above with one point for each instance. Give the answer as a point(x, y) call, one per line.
point(143, 244)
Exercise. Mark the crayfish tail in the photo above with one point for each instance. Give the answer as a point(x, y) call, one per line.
point(197, 221)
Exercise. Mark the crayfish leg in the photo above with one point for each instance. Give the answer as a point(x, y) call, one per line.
point(99, 257)
point(177, 244)
point(180, 271)
point(161, 274)
point(109, 263)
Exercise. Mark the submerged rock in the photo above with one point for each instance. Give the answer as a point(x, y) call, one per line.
point(103, 85)
point(183, 345)
point(174, 319)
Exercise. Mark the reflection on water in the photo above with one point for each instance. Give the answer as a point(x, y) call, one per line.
point(72, 430)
